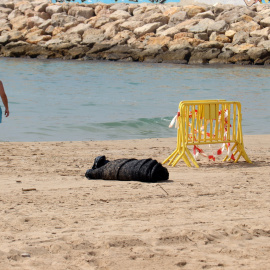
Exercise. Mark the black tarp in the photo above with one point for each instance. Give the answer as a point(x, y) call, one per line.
point(145, 170)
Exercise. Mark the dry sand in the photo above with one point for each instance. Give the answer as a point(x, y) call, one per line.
point(214, 217)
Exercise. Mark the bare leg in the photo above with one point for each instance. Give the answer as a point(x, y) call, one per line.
point(249, 3)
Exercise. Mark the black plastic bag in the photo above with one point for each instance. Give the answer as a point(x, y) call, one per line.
point(145, 170)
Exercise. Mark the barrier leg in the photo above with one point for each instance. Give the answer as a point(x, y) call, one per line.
point(173, 157)
point(244, 154)
point(181, 152)
point(173, 154)
point(176, 161)
point(186, 160)
point(240, 154)
point(192, 159)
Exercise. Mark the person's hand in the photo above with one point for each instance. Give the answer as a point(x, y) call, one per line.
point(7, 112)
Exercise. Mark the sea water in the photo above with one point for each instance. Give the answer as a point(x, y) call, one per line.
point(57, 100)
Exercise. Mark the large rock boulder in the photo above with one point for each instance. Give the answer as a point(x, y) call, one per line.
point(121, 38)
point(73, 38)
point(15, 35)
point(230, 16)
point(170, 32)
point(121, 52)
point(265, 22)
point(61, 20)
point(119, 6)
point(178, 17)
point(265, 44)
point(193, 10)
point(240, 37)
point(41, 7)
point(119, 14)
point(242, 48)
point(15, 49)
point(205, 15)
point(158, 41)
point(77, 52)
point(243, 26)
point(186, 25)
point(147, 28)
point(54, 9)
point(5, 10)
point(19, 23)
point(92, 36)
point(131, 25)
point(219, 27)
point(178, 56)
point(202, 55)
point(111, 29)
point(34, 21)
point(36, 37)
point(23, 6)
point(98, 21)
point(261, 33)
point(14, 14)
point(4, 39)
point(257, 52)
point(79, 29)
point(85, 12)
point(241, 59)
point(5, 25)
point(202, 26)
point(157, 17)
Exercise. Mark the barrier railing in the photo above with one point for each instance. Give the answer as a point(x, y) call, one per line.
point(208, 122)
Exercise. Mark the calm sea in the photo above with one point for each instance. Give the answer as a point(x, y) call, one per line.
point(53, 100)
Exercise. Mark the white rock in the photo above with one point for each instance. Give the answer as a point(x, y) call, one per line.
point(61, 19)
point(18, 23)
point(41, 7)
point(85, 12)
point(15, 13)
point(147, 28)
point(4, 38)
point(119, 14)
point(261, 33)
point(35, 21)
point(230, 33)
point(131, 25)
point(265, 22)
point(119, 6)
point(54, 9)
point(169, 32)
point(24, 6)
point(265, 44)
point(79, 29)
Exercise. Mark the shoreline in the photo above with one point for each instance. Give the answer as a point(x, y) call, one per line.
point(53, 217)
point(152, 33)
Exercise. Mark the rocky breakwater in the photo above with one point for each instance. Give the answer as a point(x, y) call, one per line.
point(171, 33)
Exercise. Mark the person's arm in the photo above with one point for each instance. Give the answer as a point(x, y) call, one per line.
point(4, 98)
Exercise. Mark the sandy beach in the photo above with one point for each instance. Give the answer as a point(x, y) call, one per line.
point(52, 217)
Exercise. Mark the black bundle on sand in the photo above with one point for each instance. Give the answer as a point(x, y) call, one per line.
point(145, 170)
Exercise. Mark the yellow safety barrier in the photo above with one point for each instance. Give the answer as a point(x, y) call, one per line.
point(208, 122)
